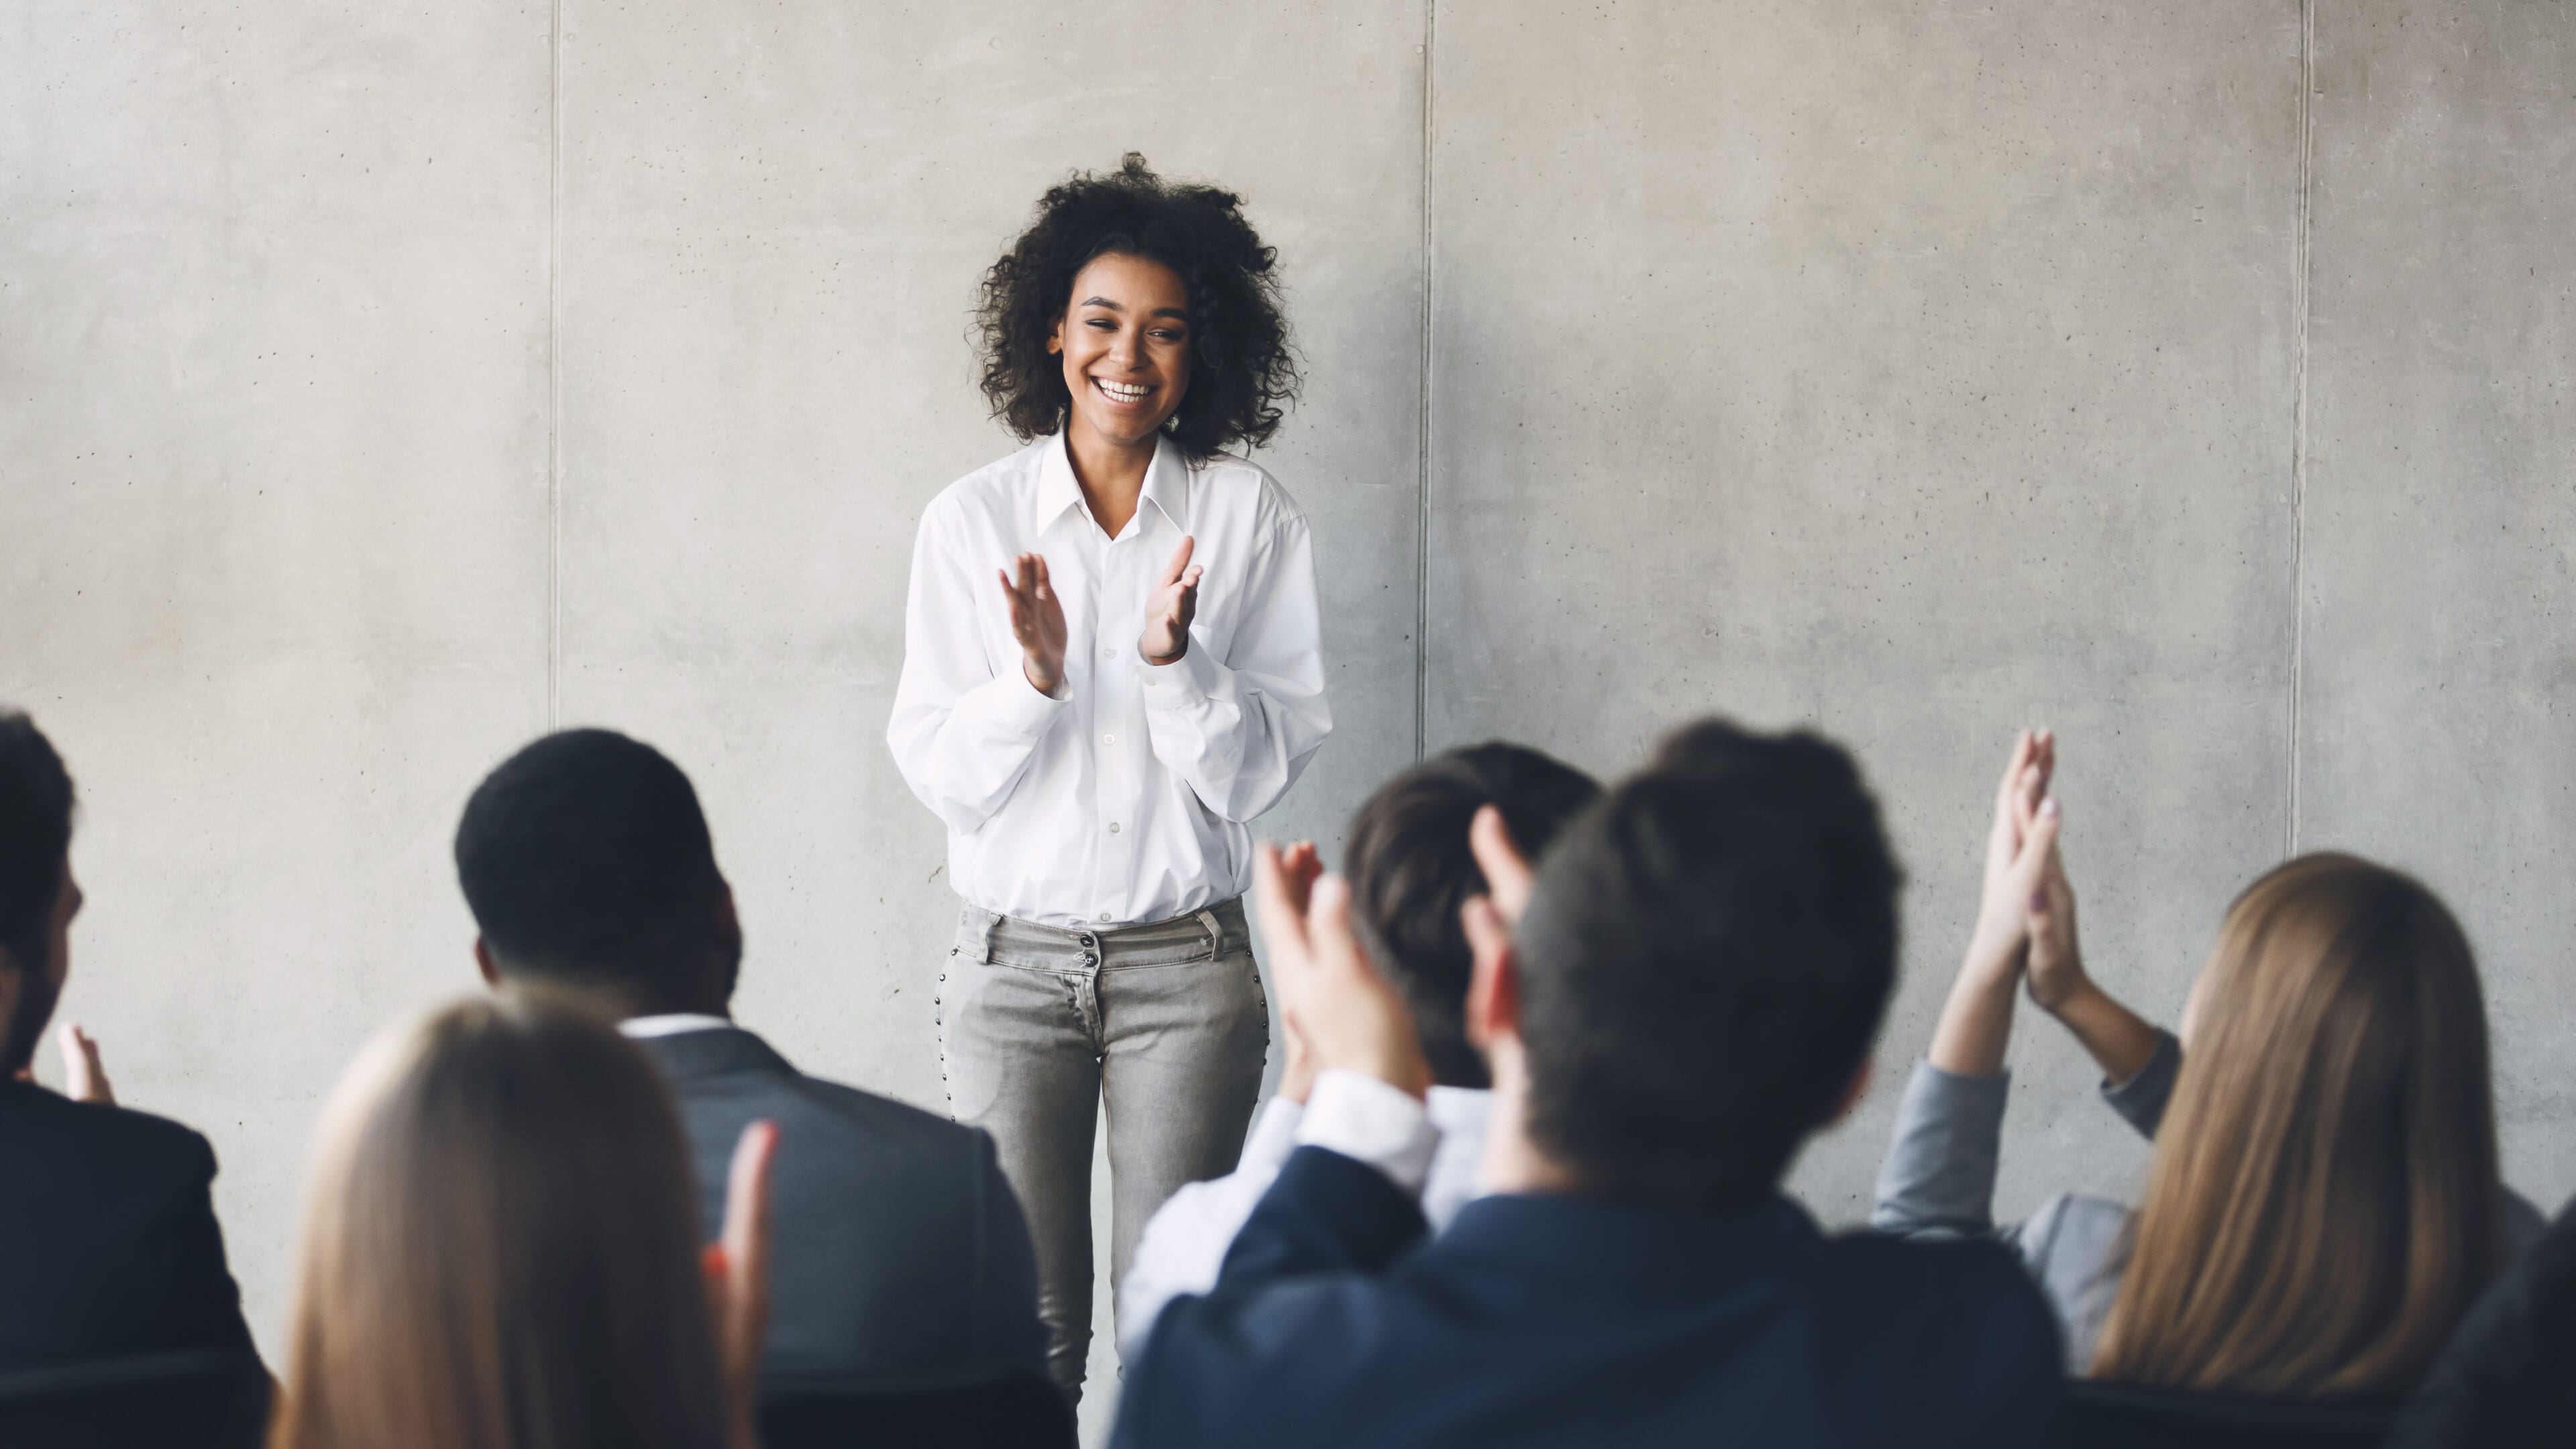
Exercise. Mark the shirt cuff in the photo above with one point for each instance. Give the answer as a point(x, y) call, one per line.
point(2141, 1099)
point(1016, 704)
point(1370, 1121)
point(1273, 1135)
point(1184, 682)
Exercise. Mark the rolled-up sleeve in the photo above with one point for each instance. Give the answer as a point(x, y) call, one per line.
point(1239, 730)
point(963, 732)
point(1939, 1176)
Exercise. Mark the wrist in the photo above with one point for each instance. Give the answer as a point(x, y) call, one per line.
point(1992, 962)
point(1044, 676)
point(1146, 652)
point(2078, 997)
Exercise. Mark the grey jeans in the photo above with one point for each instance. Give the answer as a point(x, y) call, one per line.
point(1038, 1025)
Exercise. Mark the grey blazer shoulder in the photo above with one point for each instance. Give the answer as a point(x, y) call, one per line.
point(900, 1260)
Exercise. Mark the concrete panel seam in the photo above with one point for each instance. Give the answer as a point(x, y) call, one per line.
point(2301, 271)
point(1422, 440)
point(554, 379)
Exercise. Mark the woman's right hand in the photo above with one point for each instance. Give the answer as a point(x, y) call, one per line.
point(1037, 621)
point(2055, 964)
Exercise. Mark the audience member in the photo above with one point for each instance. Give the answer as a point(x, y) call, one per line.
point(1692, 993)
point(108, 1242)
point(1412, 872)
point(2323, 1201)
point(2505, 1378)
point(907, 1267)
point(501, 1249)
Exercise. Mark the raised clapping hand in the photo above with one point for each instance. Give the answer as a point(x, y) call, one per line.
point(737, 1272)
point(1348, 1014)
point(1037, 621)
point(2025, 938)
point(84, 1078)
point(1174, 604)
point(1301, 867)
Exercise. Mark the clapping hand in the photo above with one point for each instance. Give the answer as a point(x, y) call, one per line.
point(1037, 621)
point(1349, 1015)
point(2020, 846)
point(737, 1272)
point(84, 1079)
point(1301, 867)
point(1174, 604)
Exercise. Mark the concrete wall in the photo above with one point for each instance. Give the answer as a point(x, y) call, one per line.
point(378, 387)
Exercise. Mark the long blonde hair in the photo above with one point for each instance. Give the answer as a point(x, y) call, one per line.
point(500, 1249)
point(2323, 1201)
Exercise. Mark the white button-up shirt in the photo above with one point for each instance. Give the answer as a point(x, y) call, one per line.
point(1124, 798)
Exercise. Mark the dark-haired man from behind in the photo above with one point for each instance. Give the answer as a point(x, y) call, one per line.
point(109, 1248)
point(1691, 992)
point(1412, 870)
point(900, 1260)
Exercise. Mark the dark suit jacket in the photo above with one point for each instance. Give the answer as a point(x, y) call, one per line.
point(108, 1241)
point(1565, 1320)
point(2508, 1375)
point(898, 1257)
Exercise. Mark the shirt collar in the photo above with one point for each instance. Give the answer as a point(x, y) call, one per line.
point(1167, 482)
point(1459, 1109)
point(1167, 485)
point(639, 1028)
point(1056, 491)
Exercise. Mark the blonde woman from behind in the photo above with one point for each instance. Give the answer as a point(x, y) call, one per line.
point(500, 1250)
point(2323, 1202)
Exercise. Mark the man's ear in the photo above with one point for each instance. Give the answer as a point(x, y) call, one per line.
point(483, 963)
point(1853, 1091)
point(1493, 985)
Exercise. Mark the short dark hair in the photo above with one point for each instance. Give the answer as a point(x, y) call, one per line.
point(1242, 368)
point(1704, 961)
point(586, 861)
point(35, 836)
point(1410, 871)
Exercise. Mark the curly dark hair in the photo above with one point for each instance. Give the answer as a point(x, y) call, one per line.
point(1241, 365)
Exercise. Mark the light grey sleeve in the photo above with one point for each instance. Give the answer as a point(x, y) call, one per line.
point(2141, 1099)
point(1939, 1176)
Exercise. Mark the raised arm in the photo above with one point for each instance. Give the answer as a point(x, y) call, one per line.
point(1241, 728)
point(966, 724)
point(1939, 1176)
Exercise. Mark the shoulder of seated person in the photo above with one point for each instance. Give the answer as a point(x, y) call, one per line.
point(881, 1114)
point(1872, 1262)
point(101, 1126)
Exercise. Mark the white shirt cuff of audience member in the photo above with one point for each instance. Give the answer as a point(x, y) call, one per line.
point(1363, 1118)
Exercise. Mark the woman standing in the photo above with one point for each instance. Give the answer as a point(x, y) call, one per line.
point(1111, 664)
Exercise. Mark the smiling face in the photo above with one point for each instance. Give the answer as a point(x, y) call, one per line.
point(1125, 341)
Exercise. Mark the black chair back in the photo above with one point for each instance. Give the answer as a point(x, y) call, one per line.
point(211, 1400)
point(1022, 1412)
point(2125, 1416)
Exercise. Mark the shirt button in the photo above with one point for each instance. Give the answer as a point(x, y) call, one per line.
point(1109, 739)
point(1113, 827)
point(1104, 918)
point(1109, 653)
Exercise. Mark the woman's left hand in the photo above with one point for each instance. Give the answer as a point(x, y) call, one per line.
point(1169, 612)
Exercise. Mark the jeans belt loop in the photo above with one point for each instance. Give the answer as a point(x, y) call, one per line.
point(992, 928)
point(1216, 934)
